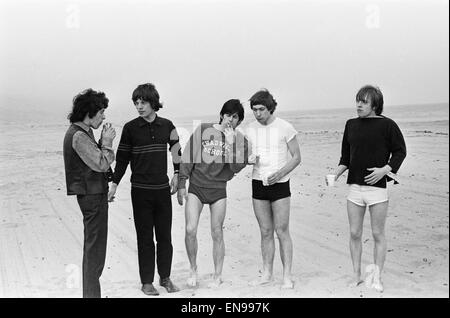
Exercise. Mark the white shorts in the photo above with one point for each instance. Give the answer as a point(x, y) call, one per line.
point(367, 195)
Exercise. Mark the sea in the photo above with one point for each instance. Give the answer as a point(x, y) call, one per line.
point(425, 118)
point(430, 118)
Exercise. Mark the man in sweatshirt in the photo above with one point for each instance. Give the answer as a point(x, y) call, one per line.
point(211, 157)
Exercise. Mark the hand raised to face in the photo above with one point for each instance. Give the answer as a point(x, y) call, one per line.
point(108, 134)
point(229, 134)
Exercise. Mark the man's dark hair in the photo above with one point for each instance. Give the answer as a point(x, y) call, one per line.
point(263, 97)
point(232, 106)
point(148, 93)
point(87, 102)
point(372, 93)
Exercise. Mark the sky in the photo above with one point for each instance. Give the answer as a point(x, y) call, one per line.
point(199, 53)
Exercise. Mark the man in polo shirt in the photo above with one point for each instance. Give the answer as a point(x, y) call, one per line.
point(143, 144)
point(86, 164)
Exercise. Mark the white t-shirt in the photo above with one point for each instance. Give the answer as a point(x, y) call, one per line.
point(270, 143)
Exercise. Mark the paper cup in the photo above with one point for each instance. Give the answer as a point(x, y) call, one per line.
point(330, 179)
point(252, 159)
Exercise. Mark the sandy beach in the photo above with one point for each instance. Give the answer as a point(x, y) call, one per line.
point(41, 231)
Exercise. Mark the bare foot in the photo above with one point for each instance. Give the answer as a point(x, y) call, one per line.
point(192, 280)
point(370, 272)
point(287, 283)
point(265, 279)
point(216, 282)
point(377, 284)
point(356, 281)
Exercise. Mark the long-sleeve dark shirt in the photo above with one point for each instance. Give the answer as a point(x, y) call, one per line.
point(144, 145)
point(371, 143)
point(209, 161)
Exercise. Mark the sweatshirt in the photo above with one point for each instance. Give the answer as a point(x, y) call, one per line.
point(208, 161)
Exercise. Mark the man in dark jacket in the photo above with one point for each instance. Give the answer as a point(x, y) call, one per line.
point(86, 163)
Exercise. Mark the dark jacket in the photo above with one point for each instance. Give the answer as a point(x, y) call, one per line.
point(80, 179)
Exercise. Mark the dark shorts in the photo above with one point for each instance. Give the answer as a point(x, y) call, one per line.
point(207, 195)
point(270, 193)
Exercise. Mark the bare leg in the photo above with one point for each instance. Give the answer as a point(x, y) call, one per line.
point(263, 213)
point(192, 215)
point(378, 214)
point(281, 209)
point(356, 218)
point(218, 211)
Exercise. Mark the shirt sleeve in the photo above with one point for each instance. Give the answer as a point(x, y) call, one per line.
point(250, 135)
point(289, 132)
point(97, 158)
point(123, 155)
point(397, 147)
point(174, 147)
point(190, 155)
point(345, 148)
point(238, 158)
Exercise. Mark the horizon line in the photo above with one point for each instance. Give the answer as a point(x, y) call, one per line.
point(321, 109)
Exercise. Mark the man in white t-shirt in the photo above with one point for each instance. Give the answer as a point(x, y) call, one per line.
point(277, 153)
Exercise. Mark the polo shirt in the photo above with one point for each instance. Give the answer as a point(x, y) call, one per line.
point(144, 146)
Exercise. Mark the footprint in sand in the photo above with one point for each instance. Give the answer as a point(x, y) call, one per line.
point(11, 225)
point(261, 282)
point(179, 265)
point(45, 216)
